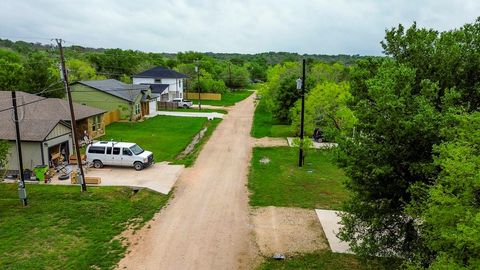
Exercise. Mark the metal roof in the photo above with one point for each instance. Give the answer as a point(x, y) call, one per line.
point(128, 92)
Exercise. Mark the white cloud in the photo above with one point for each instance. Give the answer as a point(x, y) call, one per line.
point(248, 26)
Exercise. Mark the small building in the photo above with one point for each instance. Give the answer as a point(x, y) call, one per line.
point(131, 100)
point(45, 130)
point(165, 82)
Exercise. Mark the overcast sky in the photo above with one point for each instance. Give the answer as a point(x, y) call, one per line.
point(244, 26)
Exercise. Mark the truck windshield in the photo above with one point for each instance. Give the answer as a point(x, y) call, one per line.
point(137, 150)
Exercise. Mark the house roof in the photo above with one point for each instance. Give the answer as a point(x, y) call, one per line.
point(39, 115)
point(160, 73)
point(158, 88)
point(30, 129)
point(128, 92)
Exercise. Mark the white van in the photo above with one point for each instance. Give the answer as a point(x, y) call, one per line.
point(118, 154)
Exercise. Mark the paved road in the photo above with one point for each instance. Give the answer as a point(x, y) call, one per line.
point(206, 225)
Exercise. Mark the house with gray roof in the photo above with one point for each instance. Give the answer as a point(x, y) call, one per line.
point(132, 101)
point(45, 129)
point(166, 83)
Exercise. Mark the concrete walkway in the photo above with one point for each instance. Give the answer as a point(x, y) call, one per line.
point(209, 115)
point(331, 226)
point(159, 177)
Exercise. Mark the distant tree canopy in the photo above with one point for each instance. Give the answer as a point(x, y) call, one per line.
point(34, 66)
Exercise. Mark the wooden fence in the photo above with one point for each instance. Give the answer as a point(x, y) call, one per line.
point(110, 117)
point(166, 106)
point(204, 96)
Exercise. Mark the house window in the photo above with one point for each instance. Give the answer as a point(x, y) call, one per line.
point(180, 83)
point(96, 123)
point(137, 108)
point(158, 80)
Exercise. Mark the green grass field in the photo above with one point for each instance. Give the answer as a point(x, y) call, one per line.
point(318, 184)
point(265, 126)
point(325, 260)
point(165, 136)
point(228, 99)
point(62, 228)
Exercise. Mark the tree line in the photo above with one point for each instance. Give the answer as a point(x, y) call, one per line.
point(408, 128)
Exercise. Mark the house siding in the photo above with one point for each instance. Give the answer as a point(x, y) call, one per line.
point(143, 80)
point(89, 96)
point(31, 155)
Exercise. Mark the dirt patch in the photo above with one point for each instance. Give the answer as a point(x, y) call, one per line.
point(271, 142)
point(287, 230)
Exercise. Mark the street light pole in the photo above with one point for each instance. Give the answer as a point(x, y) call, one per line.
point(302, 82)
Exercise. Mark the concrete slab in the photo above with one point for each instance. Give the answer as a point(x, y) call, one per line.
point(330, 221)
point(209, 115)
point(159, 177)
point(317, 145)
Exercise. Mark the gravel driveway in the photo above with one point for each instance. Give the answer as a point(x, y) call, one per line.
point(206, 225)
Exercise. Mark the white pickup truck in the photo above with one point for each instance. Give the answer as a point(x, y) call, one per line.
point(182, 103)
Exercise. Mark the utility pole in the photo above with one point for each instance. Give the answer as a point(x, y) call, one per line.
point(81, 175)
point(197, 69)
point(22, 192)
point(300, 154)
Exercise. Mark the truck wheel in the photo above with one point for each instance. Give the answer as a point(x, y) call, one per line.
point(97, 164)
point(138, 166)
point(185, 106)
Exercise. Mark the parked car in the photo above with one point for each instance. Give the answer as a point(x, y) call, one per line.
point(118, 154)
point(182, 103)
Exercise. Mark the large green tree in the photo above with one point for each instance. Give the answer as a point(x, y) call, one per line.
point(325, 108)
point(397, 181)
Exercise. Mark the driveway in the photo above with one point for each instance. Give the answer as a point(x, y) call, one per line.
point(206, 225)
point(159, 177)
point(209, 115)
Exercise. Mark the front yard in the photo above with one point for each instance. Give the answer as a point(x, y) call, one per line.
point(276, 180)
point(165, 136)
point(63, 228)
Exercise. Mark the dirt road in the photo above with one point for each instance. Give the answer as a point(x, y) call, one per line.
point(206, 225)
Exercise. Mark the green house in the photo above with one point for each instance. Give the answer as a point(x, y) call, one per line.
point(122, 101)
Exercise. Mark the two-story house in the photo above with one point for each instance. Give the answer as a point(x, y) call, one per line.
point(167, 84)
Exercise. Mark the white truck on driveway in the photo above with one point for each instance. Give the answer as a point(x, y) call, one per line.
point(182, 103)
point(118, 154)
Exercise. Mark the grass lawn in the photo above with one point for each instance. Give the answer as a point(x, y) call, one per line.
point(228, 99)
point(195, 109)
point(326, 260)
point(265, 126)
point(318, 184)
point(63, 228)
point(165, 136)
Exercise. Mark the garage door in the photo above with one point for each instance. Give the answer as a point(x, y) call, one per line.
point(153, 107)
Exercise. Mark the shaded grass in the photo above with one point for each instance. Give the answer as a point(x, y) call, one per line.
point(265, 126)
point(63, 228)
point(189, 159)
point(318, 184)
point(165, 136)
point(228, 99)
point(325, 260)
